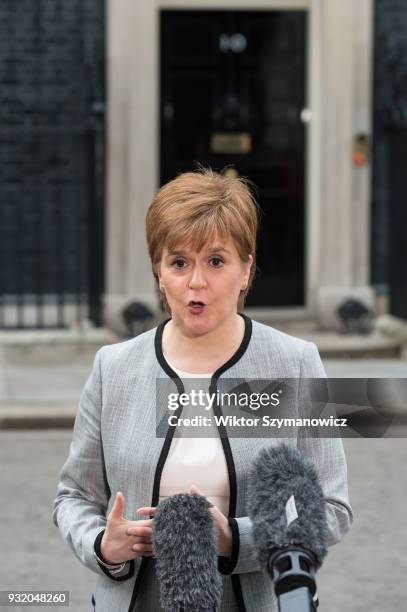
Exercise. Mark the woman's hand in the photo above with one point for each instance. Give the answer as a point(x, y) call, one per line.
point(220, 520)
point(123, 539)
point(222, 525)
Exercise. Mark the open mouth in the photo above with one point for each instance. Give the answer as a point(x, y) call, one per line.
point(194, 304)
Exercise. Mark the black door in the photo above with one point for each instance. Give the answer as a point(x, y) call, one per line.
point(232, 92)
point(51, 161)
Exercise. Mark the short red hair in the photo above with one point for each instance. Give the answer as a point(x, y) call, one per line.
point(193, 207)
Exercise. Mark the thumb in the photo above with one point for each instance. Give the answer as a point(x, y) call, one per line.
point(194, 489)
point(117, 510)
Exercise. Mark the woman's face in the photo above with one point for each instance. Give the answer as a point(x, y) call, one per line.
point(202, 288)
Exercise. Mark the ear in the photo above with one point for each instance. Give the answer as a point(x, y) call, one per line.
point(248, 265)
point(157, 270)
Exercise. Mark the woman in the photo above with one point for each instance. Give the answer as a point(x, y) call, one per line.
point(201, 234)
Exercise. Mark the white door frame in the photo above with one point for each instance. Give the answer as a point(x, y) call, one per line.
point(133, 153)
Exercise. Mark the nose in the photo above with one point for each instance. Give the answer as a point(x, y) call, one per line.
point(197, 279)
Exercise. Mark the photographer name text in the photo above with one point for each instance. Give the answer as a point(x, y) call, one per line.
point(264, 421)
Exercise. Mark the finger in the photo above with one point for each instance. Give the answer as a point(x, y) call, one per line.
point(194, 489)
point(147, 523)
point(117, 510)
point(146, 510)
point(140, 530)
point(142, 548)
point(140, 540)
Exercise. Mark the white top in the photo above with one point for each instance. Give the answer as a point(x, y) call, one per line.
point(198, 461)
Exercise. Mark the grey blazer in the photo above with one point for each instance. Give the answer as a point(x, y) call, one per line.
point(115, 447)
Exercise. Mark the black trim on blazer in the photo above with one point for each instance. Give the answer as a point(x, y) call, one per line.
point(225, 443)
point(164, 451)
point(237, 587)
point(226, 565)
point(96, 546)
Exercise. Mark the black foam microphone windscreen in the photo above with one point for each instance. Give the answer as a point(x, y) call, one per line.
point(185, 548)
point(286, 504)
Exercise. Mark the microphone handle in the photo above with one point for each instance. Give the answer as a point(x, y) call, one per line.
point(293, 570)
point(298, 600)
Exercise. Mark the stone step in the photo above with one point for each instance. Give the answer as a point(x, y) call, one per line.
point(335, 345)
point(53, 346)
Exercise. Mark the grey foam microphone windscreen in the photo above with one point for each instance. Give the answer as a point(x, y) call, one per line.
point(277, 474)
point(185, 548)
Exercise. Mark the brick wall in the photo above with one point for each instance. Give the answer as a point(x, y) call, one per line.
point(51, 70)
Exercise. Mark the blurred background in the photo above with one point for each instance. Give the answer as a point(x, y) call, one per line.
point(101, 103)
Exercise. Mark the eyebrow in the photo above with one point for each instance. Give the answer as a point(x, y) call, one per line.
point(215, 249)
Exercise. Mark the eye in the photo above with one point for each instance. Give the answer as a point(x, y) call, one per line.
point(178, 263)
point(219, 262)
